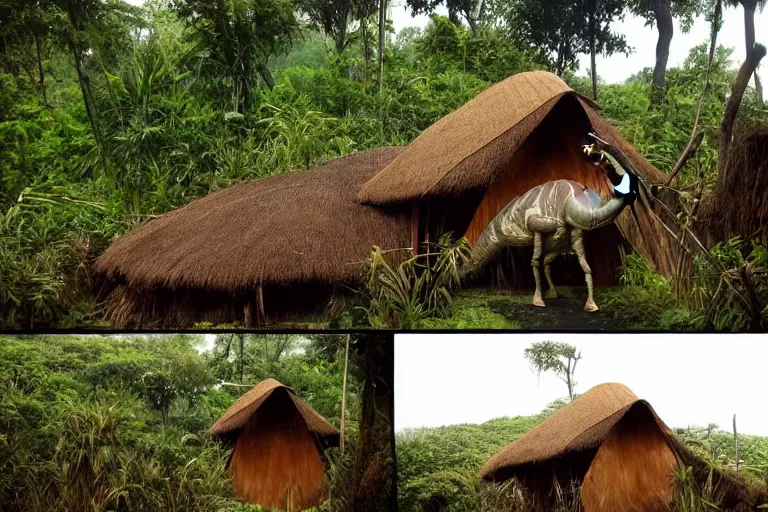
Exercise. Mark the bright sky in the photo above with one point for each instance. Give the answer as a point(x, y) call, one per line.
point(697, 379)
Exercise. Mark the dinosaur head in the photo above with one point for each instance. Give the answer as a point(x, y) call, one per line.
point(619, 172)
point(622, 175)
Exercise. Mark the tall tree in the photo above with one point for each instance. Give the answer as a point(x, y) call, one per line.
point(332, 16)
point(382, 40)
point(241, 35)
point(24, 31)
point(474, 11)
point(750, 6)
point(662, 13)
point(560, 30)
point(558, 358)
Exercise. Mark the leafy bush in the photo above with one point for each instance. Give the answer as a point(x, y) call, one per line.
point(416, 289)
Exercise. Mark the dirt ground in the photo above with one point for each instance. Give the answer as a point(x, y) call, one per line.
point(561, 314)
point(565, 313)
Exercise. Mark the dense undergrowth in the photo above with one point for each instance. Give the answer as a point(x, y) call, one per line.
point(166, 115)
point(106, 423)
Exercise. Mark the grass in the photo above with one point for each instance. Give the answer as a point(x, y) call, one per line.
point(622, 307)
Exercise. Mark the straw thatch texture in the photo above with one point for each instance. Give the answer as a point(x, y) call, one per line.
point(611, 442)
point(650, 240)
point(297, 227)
point(477, 146)
point(738, 205)
point(471, 146)
point(582, 424)
point(275, 462)
point(239, 413)
point(632, 470)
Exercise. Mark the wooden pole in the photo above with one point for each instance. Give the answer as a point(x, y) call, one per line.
point(415, 227)
point(261, 316)
point(344, 396)
point(248, 314)
point(736, 443)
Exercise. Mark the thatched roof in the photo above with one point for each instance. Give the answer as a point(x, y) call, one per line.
point(585, 423)
point(471, 147)
point(236, 417)
point(746, 178)
point(296, 227)
point(580, 425)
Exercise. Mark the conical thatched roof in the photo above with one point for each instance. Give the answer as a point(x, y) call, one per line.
point(296, 227)
point(585, 423)
point(236, 417)
point(471, 147)
point(580, 425)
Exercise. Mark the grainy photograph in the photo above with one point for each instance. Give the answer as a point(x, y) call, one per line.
point(592, 423)
point(404, 164)
point(226, 422)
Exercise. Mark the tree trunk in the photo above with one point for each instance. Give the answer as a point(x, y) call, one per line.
point(732, 107)
point(453, 16)
point(374, 475)
point(382, 39)
point(666, 28)
point(366, 49)
point(342, 428)
point(341, 35)
point(749, 25)
point(749, 38)
point(592, 56)
point(40, 70)
point(85, 90)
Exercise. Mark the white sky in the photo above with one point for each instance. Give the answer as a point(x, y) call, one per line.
point(697, 379)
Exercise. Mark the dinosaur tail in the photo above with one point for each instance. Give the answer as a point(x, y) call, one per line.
point(484, 250)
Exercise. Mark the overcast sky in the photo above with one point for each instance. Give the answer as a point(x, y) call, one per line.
point(447, 379)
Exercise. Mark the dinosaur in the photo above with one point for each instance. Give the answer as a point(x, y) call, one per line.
point(553, 217)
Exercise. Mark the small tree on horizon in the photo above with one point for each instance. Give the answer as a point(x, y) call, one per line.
point(558, 358)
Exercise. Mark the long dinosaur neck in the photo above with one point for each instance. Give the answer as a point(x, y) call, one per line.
point(485, 249)
point(585, 218)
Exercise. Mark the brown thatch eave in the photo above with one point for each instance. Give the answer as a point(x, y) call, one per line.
point(471, 147)
point(304, 226)
point(580, 425)
point(585, 423)
point(239, 413)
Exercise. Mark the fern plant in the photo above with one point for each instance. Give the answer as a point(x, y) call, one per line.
point(420, 287)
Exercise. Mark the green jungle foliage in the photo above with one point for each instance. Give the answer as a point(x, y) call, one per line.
point(119, 423)
point(111, 113)
point(438, 468)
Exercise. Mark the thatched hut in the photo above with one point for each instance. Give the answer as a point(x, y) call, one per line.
point(615, 446)
point(738, 204)
point(279, 441)
point(270, 248)
point(519, 133)
point(255, 250)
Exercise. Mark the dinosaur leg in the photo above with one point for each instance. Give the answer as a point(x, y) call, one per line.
point(578, 247)
point(537, 245)
point(551, 291)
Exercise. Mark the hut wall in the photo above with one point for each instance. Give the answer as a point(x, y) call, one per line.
point(551, 482)
point(552, 152)
point(276, 462)
point(160, 308)
point(632, 470)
